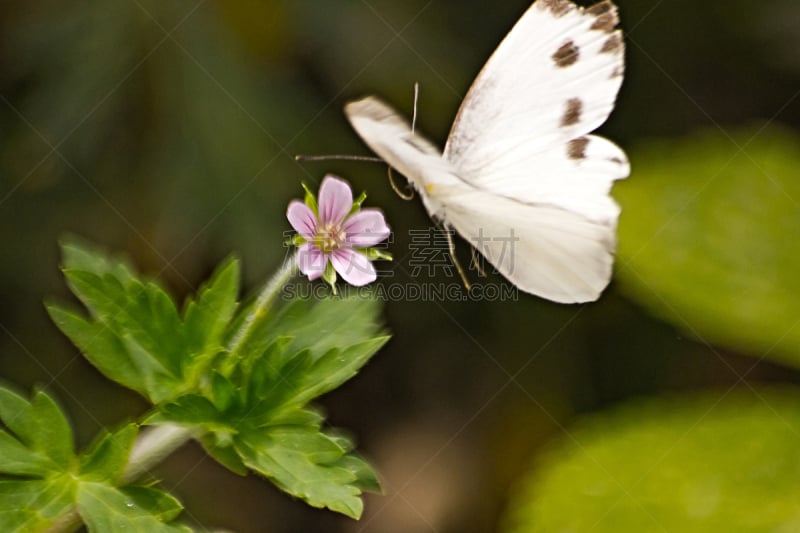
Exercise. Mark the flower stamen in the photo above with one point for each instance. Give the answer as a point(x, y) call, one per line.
point(330, 238)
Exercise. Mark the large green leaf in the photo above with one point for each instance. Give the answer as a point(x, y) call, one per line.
point(259, 416)
point(304, 463)
point(34, 504)
point(709, 235)
point(134, 333)
point(694, 463)
point(107, 509)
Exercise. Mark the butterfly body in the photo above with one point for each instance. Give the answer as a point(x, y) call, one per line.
point(520, 177)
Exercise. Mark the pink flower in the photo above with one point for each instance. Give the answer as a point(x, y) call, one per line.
point(332, 233)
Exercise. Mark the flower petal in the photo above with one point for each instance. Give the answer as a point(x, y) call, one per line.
point(302, 219)
point(335, 200)
point(354, 267)
point(311, 261)
point(366, 228)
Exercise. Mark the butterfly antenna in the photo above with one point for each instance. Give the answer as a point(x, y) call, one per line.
point(301, 157)
point(416, 99)
point(452, 246)
point(404, 195)
point(476, 262)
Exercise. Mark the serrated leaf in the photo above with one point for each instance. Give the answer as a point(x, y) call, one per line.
point(101, 347)
point(207, 318)
point(717, 461)
point(263, 370)
point(338, 366)
point(707, 238)
point(19, 460)
point(304, 377)
point(319, 325)
point(15, 413)
point(303, 463)
point(79, 254)
point(366, 478)
point(224, 455)
point(224, 394)
point(308, 417)
point(139, 323)
point(191, 409)
point(34, 505)
point(107, 509)
point(107, 458)
point(46, 448)
point(53, 435)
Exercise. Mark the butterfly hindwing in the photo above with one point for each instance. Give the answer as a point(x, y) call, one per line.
point(555, 253)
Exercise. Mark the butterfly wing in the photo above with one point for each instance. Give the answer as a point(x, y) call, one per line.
point(521, 130)
point(543, 249)
point(520, 179)
point(390, 136)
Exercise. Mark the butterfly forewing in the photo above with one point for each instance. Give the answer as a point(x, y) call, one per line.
point(552, 79)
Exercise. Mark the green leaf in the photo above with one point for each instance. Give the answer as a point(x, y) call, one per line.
point(304, 377)
point(105, 350)
point(43, 444)
point(19, 460)
point(134, 333)
point(224, 394)
point(15, 413)
point(207, 319)
point(107, 458)
point(706, 238)
point(140, 325)
point(191, 409)
point(226, 455)
point(79, 254)
point(717, 461)
point(53, 435)
point(106, 509)
point(303, 462)
point(319, 326)
point(366, 478)
point(34, 505)
point(257, 416)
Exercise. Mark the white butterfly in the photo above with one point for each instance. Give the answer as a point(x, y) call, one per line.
point(518, 165)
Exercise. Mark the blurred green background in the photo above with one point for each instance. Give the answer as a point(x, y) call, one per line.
point(167, 130)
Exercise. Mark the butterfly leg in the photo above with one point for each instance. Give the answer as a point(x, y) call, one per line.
point(452, 245)
point(405, 196)
point(477, 263)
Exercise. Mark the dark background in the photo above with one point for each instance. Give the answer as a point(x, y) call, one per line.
point(167, 130)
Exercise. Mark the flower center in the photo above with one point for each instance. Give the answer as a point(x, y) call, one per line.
point(330, 238)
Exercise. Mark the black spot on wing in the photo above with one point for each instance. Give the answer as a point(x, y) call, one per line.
point(601, 8)
point(612, 45)
point(606, 14)
point(566, 55)
point(605, 23)
point(557, 7)
point(572, 112)
point(576, 148)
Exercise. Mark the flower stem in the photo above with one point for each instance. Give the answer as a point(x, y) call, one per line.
point(263, 303)
point(152, 446)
